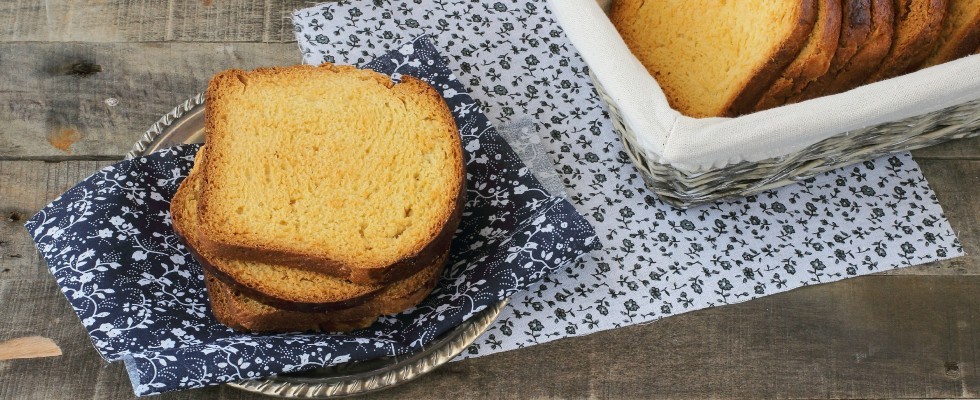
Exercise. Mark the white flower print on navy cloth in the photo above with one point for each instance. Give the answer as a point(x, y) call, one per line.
point(656, 260)
point(109, 243)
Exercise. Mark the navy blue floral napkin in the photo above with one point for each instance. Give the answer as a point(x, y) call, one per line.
point(109, 243)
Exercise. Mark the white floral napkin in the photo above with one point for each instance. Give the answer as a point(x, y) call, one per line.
point(656, 261)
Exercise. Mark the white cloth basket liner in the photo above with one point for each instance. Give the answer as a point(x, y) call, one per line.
point(692, 144)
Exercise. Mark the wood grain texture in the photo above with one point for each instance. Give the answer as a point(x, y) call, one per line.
point(148, 20)
point(28, 347)
point(37, 307)
point(25, 188)
point(46, 112)
point(963, 149)
point(868, 337)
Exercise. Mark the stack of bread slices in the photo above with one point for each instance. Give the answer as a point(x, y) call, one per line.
point(730, 58)
point(323, 198)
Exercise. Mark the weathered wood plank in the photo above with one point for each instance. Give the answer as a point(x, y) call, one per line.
point(37, 307)
point(47, 112)
point(958, 149)
point(148, 21)
point(868, 337)
point(26, 187)
point(871, 337)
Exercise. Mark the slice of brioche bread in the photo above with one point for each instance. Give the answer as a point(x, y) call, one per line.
point(961, 32)
point(856, 20)
point(918, 24)
point(241, 312)
point(329, 168)
point(812, 62)
point(714, 58)
point(282, 286)
point(865, 61)
point(230, 308)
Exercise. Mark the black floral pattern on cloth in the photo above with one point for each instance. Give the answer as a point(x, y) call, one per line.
point(109, 243)
point(656, 260)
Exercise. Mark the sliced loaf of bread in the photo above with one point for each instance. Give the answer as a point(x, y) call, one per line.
point(918, 24)
point(865, 61)
point(856, 21)
point(961, 32)
point(278, 285)
point(238, 311)
point(715, 58)
point(231, 308)
point(812, 62)
point(330, 168)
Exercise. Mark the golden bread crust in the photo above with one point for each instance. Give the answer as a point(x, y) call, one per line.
point(222, 240)
point(854, 71)
point(918, 24)
point(856, 25)
point(277, 285)
point(960, 35)
point(742, 94)
point(240, 312)
point(812, 62)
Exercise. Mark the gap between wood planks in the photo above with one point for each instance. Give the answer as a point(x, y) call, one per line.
point(54, 159)
point(950, 158)
point(149, 42)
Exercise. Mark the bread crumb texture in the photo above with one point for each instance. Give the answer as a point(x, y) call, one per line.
point(332, 158)
point(277, 283)
point(705, 53)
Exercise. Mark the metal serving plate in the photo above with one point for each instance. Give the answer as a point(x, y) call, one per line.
point(185, 124)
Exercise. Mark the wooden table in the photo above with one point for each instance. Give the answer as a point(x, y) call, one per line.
point(81, 79)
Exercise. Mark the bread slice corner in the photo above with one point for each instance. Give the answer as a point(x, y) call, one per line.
point(714, 58)
point(330, 168)
point(281, 286)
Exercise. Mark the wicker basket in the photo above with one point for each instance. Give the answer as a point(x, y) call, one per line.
point(684, 188)
point(685, 183)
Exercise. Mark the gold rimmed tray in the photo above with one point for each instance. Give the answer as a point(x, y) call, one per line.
point(184, 125)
